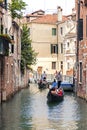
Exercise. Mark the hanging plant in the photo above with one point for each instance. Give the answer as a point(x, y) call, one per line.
point(6, 37)
point(1, 1)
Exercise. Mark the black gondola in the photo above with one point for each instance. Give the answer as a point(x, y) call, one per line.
point(42, 84)
point(55, 97)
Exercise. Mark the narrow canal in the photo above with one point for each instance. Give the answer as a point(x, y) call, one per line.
point(29, 110)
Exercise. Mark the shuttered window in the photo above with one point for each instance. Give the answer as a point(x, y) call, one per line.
point(53, 65)
point(53, 31)
point(80, 29)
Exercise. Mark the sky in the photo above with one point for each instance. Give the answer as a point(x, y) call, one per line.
point(49, 6)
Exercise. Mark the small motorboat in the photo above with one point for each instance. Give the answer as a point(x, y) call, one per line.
point(67, 86)
point(56, 95)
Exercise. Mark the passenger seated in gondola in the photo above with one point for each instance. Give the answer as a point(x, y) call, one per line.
point(55, 90)
point(60, 91)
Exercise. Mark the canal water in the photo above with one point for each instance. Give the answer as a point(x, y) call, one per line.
point(29, 110)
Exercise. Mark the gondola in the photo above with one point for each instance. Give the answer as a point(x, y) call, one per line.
point(55, 96)
point(42, 84)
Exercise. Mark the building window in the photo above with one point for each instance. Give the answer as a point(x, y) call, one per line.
point(86, 25)
point(61, 48)
point(61, 30)
point(61, 65)
point(6, 31)
point(7, 72)
point(54, 48)
point(53, 65)
point(12, 72)
point(12, 48)
point(53, 31)
point(68, 66)
point(67, 44)
point(5, 1)
point(80, 71)
point(1, 47)
point(80, 29)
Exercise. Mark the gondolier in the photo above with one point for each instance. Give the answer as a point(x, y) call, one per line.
point(44, 76)
point(59, 78)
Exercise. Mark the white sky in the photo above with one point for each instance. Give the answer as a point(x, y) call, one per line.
point(50, 6)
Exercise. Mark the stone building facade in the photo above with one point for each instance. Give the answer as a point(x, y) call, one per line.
point(49, 34)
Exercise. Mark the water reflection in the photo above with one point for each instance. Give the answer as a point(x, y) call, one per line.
point(29, 110)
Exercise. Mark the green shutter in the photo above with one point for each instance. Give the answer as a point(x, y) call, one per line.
point(57, 48)
point(51, 48)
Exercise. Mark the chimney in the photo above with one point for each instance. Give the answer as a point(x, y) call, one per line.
point(73, 11)
point(59, 14)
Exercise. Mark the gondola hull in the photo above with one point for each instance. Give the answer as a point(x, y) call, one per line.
point(43, 85)
point(54, 97)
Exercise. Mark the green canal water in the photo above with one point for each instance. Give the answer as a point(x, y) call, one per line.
point(29, 110)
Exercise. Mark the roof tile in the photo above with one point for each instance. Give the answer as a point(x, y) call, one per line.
point(49, 19)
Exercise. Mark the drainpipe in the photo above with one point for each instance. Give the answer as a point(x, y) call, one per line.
point(58, 46)
point(59, 20)
point(78, 30)
point(77, 58)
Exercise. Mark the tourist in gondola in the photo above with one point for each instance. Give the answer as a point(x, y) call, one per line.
point(60, 91)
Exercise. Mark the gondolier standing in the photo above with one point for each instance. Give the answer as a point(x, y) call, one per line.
point(44, 76)
point(59, 78)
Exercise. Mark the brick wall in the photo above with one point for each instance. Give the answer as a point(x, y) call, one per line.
point(82, 86)
point(8, 77)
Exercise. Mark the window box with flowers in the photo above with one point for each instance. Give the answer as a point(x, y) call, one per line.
point(1, 2)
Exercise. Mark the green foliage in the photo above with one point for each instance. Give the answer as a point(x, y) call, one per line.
point(28, 55)
point(16, 8)
point(6, 37)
